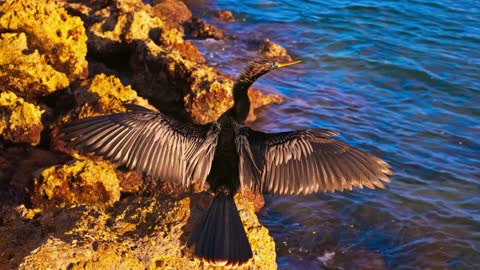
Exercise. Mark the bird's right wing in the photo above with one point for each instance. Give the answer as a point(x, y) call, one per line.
point(304, 161)
point(149, 142)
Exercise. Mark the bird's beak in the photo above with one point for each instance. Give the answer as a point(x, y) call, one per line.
point(289, 63)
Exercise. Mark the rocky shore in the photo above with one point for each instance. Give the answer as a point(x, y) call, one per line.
point(66, 60)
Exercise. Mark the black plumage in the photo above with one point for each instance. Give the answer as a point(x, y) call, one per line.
point(230, 157)
point(149, 142)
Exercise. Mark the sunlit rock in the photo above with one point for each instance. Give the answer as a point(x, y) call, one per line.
point(20, 121)
point(81, 181)
point(137, 233)
point(271, 50)
point(205, 92)
point(26, 71)
point(197, 28)
point(51, 32)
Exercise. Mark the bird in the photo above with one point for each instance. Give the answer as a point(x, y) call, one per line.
point(231, 157)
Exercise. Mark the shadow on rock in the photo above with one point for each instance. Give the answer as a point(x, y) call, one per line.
point(22, 237)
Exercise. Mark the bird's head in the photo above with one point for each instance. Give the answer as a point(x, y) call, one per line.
point(260, 67)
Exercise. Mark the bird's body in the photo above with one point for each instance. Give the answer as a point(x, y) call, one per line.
point(230, 157)
point(224, 170)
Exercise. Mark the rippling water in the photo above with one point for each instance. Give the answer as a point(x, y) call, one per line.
point(400, 79)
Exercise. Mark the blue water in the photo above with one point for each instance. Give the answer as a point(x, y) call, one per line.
point(400, 79)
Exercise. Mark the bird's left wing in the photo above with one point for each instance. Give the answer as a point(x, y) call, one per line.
point(303, 162)
point(149, 142)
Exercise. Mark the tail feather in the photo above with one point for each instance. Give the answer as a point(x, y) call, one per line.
point(220, 238)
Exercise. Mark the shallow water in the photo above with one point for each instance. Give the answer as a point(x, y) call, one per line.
point(398, 79)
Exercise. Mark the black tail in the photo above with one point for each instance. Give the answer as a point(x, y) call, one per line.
point(220, 238)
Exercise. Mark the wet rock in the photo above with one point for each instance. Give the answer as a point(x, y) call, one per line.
point(138, 233)
point(197, 28)
point(224, 15)
point(20, 121)
point(81, 181)
point(260, 99)
point(58, 37)
point(188, 51)
point(26, 71)
point(172, 12)
point(271, 50)
point(204, 92)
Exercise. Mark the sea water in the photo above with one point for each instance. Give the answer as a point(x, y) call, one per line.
point(399, 79)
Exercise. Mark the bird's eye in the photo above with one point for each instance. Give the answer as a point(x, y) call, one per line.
point(274, 64)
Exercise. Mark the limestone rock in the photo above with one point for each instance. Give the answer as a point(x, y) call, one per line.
point(114, 25)
point(224, 15)
point(26, 71)
point(20, 121)
point(197, 28)
point(19, 164)
point(271, 50)
point(190, 52)
point(87, 213)
point(172, 12)
point(105, 94)
point(205, 92)
point(99, 95)
point(58, 37)
point(259, 99)
point(138, 233)
point(81, 181)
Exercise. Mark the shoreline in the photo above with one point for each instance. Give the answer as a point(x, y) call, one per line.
point(64, 61)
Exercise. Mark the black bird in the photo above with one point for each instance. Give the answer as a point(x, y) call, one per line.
point(230, 157)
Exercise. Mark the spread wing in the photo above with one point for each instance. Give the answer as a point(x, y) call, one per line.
point(148, 142)
point(304, 161)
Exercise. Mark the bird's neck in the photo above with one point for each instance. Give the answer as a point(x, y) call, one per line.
point(241, 101)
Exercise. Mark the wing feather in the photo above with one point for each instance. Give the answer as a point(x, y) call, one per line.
point(149, 142)
point(305, 161)
point(117, 145)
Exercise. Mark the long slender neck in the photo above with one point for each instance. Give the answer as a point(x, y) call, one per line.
point(241, 101)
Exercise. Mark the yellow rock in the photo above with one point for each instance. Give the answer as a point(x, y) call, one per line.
point(20, 121)
point(97, 96)
point(79, 221)
point(25, 71)
point(270, 49)
point(138, 233)
point(82, 181)
point(133, 21)
point(205, 92)
point(58, 37)
point(105, 94)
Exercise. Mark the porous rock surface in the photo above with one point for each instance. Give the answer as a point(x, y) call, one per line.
point(136, 233)
point(20, 121)
point(26, 71)
point(58, 37)
point(64, 209)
